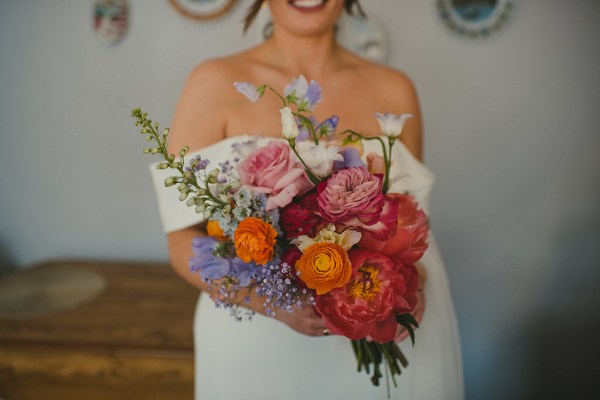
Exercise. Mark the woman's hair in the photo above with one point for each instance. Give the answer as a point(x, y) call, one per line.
point(349, 5)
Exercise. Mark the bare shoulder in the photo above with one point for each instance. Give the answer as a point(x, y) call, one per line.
point(200, 117)
point(394, 86)
point(394, 92)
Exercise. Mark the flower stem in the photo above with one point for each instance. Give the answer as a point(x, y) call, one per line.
point(278, 95)
point(386, 155)
point(313, 178)
point(310, 126)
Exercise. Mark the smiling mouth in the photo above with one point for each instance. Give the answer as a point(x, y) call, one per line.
point(307, 5)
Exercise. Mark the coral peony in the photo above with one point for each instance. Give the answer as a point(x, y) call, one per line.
point(324, 266)
point(410, 240)
point(380, 287)
point(254, 240)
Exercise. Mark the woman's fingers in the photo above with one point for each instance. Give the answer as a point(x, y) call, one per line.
point(304, 321)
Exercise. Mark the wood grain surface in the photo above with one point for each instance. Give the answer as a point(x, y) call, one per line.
point(133, 341)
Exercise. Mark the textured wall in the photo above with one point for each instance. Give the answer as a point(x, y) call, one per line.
point(511, 132)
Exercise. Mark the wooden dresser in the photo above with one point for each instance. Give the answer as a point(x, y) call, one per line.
point(131, 341)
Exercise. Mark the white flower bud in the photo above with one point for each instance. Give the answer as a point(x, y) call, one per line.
point(170, 181)
point(235, 185)
point(289, 128)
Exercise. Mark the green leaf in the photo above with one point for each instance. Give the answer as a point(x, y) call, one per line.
point(408, 322)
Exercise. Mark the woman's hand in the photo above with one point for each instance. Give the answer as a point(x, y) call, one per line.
point(304, 321)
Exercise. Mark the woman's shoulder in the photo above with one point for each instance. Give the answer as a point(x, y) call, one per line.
point(386, 80)
point(213, 73)
point(225, 69)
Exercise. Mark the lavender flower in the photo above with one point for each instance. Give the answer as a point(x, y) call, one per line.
point(197, 164)
point(281, 290)
point(304, 131)
point(245, 148)
point(205, 261)
point(351, 159)
point(250, 91)
point(304, 95)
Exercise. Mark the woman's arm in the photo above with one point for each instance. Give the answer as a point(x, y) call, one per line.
point(200, 120)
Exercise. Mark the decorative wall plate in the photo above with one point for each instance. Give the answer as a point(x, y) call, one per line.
point(202, 9)
point(475, 18)
point(110, 19)
point(364, 36)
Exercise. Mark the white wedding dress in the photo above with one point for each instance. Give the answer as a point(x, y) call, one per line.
point(265, 360)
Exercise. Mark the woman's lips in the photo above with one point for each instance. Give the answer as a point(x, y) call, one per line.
point(307, 5)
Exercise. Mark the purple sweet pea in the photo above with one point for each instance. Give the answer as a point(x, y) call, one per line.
point(205, 262)
point(328, 127)
point(304, 95)
point(351, 159)
point(248, 90)
point(304, 131)
point(211, 266)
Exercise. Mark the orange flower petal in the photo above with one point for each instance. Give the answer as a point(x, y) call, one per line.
point(324, 266)
point(254, 240)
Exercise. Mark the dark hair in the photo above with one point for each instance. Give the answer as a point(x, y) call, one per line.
point(349, 5)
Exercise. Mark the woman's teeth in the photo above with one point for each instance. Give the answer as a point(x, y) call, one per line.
point(307, 3)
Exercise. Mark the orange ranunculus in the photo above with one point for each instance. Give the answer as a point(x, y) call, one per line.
point(254, 240)
point(213, 229)
point(324, 266)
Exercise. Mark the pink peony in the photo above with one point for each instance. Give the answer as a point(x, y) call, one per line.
point(353, 198)
point(380, 288)
point(410, 240)
point(274, 170)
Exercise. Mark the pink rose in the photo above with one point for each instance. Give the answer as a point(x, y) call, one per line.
point(274, 170)
point(410, 240)
point(353, 198)
point(380, 288)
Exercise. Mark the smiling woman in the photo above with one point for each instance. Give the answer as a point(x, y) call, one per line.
point(299, 355)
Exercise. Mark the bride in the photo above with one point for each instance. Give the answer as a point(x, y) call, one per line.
point(290, 356)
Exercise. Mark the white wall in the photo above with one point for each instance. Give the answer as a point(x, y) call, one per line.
point(510, 132)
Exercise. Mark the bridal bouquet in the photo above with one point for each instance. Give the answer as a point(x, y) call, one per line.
point(305, 222)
